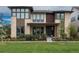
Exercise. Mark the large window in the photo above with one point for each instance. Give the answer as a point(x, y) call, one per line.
point(38, 17)
point(38, 30)
point(21, 13)
point(59, 16)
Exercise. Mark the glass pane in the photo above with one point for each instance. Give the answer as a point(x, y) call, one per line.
point(33, 16)
point(42, 16)
point(22, 29)
point(62, 16)
point(57, 16)
point(26, 15)
point(13, 10)
point(18, 10)
point(18, 30)
point(22, 10)
point(14, 14)
point(38, 16)
point(18, 15)
point(22, 15)
point(26, 10)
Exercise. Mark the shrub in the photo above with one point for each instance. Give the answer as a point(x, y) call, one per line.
point(28, 37)
point(63, 35)
point(43, 37)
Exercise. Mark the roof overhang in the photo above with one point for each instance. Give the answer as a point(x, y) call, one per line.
point(44, 24)
point(30, 7)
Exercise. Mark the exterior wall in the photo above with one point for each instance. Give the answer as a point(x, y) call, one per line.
point(44, 17)
point(40, 13)
point(20, 22)
point(67, 23)
point(27, 27)
point(13, 27)
point(49, 17)
point(57, 30)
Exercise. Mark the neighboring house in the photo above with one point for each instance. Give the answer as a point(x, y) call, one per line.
point(75, 18)
point(39, 20)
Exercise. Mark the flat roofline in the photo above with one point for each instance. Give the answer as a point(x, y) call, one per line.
point(19, 6)
point(31, 7)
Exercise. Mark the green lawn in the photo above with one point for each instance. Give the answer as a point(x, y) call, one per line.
point(39, 47)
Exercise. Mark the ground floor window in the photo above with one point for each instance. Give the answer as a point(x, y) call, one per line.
point(38, 30)
point(20, 30)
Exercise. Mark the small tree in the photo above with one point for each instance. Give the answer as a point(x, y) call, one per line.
point(73, 31)
point(2, 31)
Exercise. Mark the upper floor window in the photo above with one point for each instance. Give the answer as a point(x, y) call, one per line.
point(59, 16)
point(21, 13)
point(18, 10)
point(22, 10)
point(14, 14)
point(62, 16)
point(42, 16)
point(18, 15)
point(26, 10)
point(38, 17)
point(27, 15)
point(13, 10)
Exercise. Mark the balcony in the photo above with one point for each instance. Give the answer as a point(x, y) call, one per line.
point(57, 21)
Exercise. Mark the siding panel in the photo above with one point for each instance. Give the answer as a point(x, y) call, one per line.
point(50, 17)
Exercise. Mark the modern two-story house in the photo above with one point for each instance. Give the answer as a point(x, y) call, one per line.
point(39, 20)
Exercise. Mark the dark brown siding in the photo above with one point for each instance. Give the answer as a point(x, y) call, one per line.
point(49, 17)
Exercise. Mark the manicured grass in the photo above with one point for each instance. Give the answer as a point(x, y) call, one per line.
point(39, 47)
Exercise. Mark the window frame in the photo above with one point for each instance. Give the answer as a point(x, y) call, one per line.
point(37, 17)
point(60, 18)
point(21, 12)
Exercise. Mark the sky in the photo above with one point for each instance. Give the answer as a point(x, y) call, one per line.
point(6, 12)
